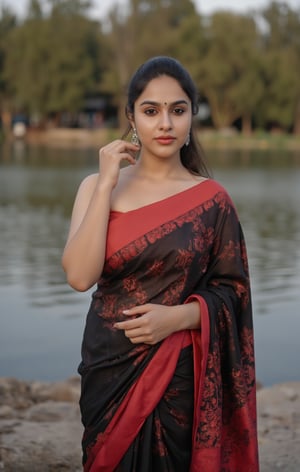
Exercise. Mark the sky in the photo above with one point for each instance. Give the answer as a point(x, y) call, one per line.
point(206, 7)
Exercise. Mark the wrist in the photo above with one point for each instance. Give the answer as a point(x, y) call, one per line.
point(188, 316)
point(104, 185)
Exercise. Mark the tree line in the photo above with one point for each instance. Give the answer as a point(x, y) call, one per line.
point(246, 66)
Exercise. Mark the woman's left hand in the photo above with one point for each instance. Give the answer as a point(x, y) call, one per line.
point(153, 323)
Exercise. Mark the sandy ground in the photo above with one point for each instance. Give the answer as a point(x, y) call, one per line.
point(40, 429)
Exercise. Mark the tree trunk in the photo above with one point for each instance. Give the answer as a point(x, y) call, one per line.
point(246, 125)
point(6, 119)
point(296, 127)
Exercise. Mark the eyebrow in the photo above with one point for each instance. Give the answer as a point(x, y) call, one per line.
point(150, 102)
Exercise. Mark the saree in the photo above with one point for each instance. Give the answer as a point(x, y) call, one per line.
point(187, 403)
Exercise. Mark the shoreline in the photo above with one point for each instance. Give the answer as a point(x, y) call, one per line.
point(210, 139)
point(40, 428)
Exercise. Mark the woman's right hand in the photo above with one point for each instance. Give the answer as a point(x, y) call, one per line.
point(111, 157)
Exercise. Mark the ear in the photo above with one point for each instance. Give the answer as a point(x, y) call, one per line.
point(129, 116)
point(131, 121)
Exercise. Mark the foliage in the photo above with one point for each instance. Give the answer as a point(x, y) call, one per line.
point(58, 63)
point(151, 28)
point(8, 22)
point(246, 67)
point(281, 71)
point(228, 71)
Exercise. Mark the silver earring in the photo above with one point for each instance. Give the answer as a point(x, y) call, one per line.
point(134, 137)
point(188, 139)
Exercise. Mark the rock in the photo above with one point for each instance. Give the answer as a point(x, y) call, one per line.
point(14, 393)
point(279, 427)
point(40, 428)
point(6, 412)
point(42, 446)
point(52, 411)
point(290, 393)
point(68, 391)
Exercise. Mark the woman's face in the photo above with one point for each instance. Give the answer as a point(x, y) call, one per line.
point(163, 117)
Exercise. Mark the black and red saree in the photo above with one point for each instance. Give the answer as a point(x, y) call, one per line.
point(187, 403)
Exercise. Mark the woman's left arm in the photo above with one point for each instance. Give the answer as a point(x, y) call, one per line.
point(153, 323)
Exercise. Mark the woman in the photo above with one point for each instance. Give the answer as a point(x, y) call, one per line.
point(168, 381)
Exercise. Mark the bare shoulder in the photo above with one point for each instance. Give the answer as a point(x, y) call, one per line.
point(88, 185)
point(86, 190)
point(89, 182)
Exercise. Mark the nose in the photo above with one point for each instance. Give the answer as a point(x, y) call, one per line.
point(166, 121)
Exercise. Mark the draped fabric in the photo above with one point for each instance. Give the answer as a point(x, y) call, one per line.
point(187, 403)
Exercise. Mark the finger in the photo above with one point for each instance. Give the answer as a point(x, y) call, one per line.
point(128, 325)
point(117, 147)
point(142, 340)
point(133, 333)
point(138, 310)
point(132, 147)
point(128, 157)
point(118, 153)
point(122, 146)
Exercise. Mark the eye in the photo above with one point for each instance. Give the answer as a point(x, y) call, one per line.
point(178, 111)
point(150, 111)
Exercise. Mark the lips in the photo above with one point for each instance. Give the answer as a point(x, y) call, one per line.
point(165, 139)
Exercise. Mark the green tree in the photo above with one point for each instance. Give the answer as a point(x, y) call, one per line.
point(53, 61)
point(150, 28)
point(8, 22)
point(70, 7)
point(75, 62)
point(229, 70)
point(281, 71)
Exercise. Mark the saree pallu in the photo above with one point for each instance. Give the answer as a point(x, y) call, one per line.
point(187, 403)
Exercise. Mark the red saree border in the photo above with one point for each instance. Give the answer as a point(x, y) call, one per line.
point(123, 227)
point(138, 403)
point(209, 459)
point(141, 399)
point(200, 353)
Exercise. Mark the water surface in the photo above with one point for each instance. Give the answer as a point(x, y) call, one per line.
point(42, 319)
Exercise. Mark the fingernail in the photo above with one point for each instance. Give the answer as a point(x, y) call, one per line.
point(125, 312)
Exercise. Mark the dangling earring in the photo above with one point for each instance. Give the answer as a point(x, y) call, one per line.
point(134, 137)
point(188, 139)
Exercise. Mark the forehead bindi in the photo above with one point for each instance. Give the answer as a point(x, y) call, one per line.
point(164, 91)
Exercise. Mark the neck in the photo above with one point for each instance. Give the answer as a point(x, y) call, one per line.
point(159, 169)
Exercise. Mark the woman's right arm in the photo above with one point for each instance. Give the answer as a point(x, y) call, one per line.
point(84, 254)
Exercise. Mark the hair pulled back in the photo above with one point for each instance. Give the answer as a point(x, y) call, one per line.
point(192, 156)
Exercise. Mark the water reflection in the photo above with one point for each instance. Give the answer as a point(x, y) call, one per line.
point(267, 202)
point(42, 318)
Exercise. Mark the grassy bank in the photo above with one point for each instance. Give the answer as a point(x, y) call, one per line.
point(217, 140)
point(65, 137)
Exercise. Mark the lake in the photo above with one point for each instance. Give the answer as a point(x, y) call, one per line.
point(42, 319)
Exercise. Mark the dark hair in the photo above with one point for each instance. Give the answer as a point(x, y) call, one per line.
point(192, 156)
